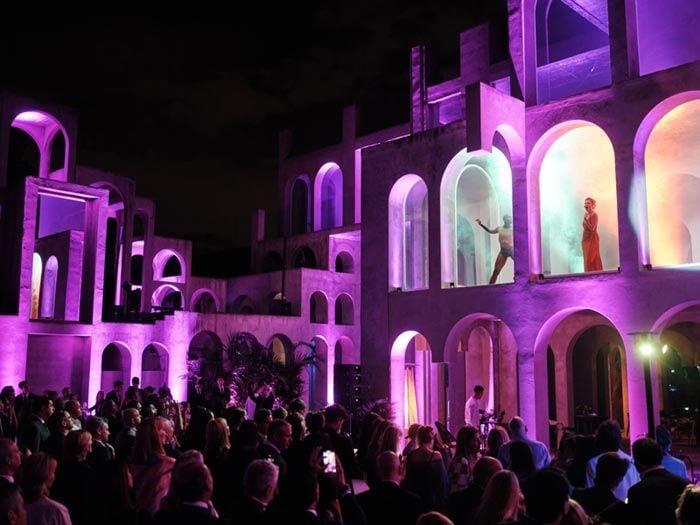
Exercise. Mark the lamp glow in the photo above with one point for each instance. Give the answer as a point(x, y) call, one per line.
point(646, 349)
point(664, 349)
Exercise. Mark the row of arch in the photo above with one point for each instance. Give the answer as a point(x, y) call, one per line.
point(116, 365)
point(581, 362)
point(344, 307)
point(570, 162)
point(203, 301)
point(305, 257)
point(327, 202)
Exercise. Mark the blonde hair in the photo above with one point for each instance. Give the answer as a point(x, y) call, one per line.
point(500, 501)
point(216, 437)
point(76, 446)
point(33, 475)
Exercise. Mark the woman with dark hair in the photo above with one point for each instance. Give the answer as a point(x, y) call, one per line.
point(466, 455)
point(75, 479)
point(501, 501)
point(150, 467)
point(497, 437)
point(194, 435)
point(426, 475)
point(522, 462)
point(36, 475)
point(243, 452)
point(113, 502)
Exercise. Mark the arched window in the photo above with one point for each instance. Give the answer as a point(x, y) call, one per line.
point(172, 268)
point(318, 308)
point(476, 186)
point(137, 269)
point(154, 366)
point(305, 258)
point(46, 157)
point(37, 271)
point(408, 234)
point(344, 310)
point(572, 162)
point(139, 229)
point(573, 47)
point(344, 263)
point(169, 265)
point(328, 197)
point(58, 152)
point(204, 302)
point(116, 365)
point(167, 296)
point(243, 304)
point(48, 297)
point(299, 220)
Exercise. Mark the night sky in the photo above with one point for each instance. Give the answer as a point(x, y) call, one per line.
point(190, 104)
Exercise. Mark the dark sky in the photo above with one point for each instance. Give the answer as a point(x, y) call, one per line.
point(189, 104)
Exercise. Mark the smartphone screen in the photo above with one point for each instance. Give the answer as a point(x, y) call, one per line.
point(329, 462)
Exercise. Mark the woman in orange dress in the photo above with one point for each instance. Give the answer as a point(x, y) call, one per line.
point(590, 241)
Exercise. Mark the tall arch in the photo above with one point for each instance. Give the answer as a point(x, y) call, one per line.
point(49, 136)
point(116, 365)
point(322, 375)
point(305, 258)
point(408, 234)
point(664, 205)
point(48, 295)
point(37, 272)
point(299, 206)
point(204, 301)
point(328, 197)
point(204, 357)
point(169, 266)
point(411, 378)
point(569, 163)
point(318, 308)
point(344, 310)
point(154, 365)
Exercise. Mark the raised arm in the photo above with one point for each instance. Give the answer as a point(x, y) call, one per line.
point(495, 230)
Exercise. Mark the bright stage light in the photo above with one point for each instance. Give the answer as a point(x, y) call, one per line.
point(646, 349)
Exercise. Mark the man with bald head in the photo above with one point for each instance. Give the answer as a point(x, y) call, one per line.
point(387, 502)
point(462, 504)
point(518, 432)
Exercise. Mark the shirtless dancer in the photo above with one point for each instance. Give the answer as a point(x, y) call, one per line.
point(505, 239)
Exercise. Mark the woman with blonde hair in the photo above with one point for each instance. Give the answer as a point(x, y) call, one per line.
point(75, 479)
point(36, 475)
point(388, 440)
point(150, 467)
point(426, 475)
point(501, 501)
point(216, 446)
point(497, 437)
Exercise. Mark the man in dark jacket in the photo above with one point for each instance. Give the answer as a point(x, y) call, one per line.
point(260, 487)
point(599, 500)
point(34, 433)
point(387, 502)
point(654, 499)
point(336, 415)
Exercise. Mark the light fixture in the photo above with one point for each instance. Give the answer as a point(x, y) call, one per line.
point(646, 349)
point(664, 349)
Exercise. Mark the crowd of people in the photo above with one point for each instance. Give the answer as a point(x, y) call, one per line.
point(138, 457)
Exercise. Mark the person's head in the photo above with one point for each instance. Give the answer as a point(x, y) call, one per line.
point(24, 386)
point(76, 446)
point(496, 438)
point(412, 432)
point(522, 461)
point(247, 435)
point(663, 438)
point(135, 381)
point(433, 518)
point(478, 392)
point(118, 385)
point(501, 498)
point(315, 421)
point(467, 441)
point(109, 409)
point(297, 405)
point(131, 417)
point(484, 469)
point(60, 422)
point(547, 496)
point(589, 204)
point(43, 407)
point(388, 466)
point(235, 416)
point(99, 428)
point(280, 413)
point(507, 220)
point(36, 475)
point(279, 434)
point(220, 383)
point(688, 511)
point(336, 415)
point(425, 436)
point(73, 407)
point(10, 457)
point(65, 392)
point(608, 436)
point(12, 511)
point(216, 436)
point(191, 480)
point(260, 480)
point(263, 419)
point(576, 514)
point(647, 454)
point(610, 470)
point(148, 444)
point(390, 438)
point(100, 396)
point(517, 427)
point(298, 425)
point(7, 393)
point(201, 382)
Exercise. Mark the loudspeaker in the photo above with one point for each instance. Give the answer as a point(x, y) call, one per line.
point(348, 387)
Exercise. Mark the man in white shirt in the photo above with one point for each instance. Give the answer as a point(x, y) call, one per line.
point(472, 413)
point(608, 438)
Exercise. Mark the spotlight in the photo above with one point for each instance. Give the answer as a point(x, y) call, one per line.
point(664, 349)
point(646, 349)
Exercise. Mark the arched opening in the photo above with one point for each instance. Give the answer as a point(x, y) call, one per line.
point(328, 197)
point(139, 228)
point(272, 262)
point(412, 390)
point(242, 304)
point(345, 351)
point(48, 292)
point(58, 152)
point(137, 270)
point(169, 266)
point(481, 350)
point(299, 220)
point(204, 358)
point(167, 296)
point(39, 159)
point(204, 302)
point(305, 258)
point(408, 234)
point(37, 272)
point(344, 263)
point(573, 47)
point(476, 186)
point(667, 33)
point(116, 365)
point(280, 345)
point(671, 163)
point(154, 365)
point(344, 310)
point(318, 308)
point(585, 354)
point(23, 156)
point(571, 163)
point(322, 376)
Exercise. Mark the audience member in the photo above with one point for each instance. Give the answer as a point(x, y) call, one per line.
point(599, 500)
point(608, 438)
point(115, 395)
point(102, 451)
point(279, 436)
point(462, 504)
point(426, 475)
point(259, 488)
point(34, 433)
point(75, 478)
point(216, 449)
point(262, 418)
point(521, 461)
point(501, 500)
point(654, 499)
point(124, 442)
point(10, 460)
point(688, 511)
point(12, 511)
point(60, 423)
point(496, 438)
point(35, 477)
point(466, 455)
point(336, 415)
point(546, 498)
point(433, 518)
point(518, 431)
point(673, 465)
